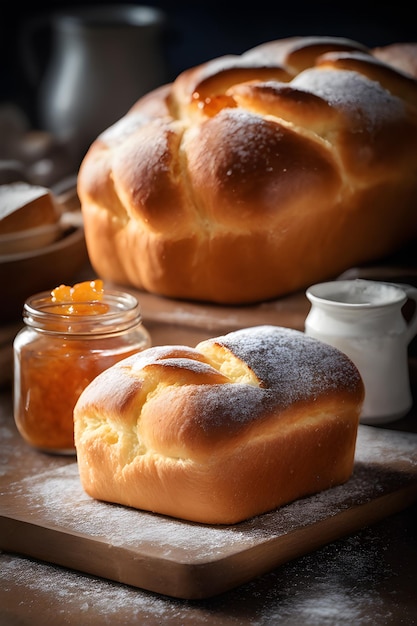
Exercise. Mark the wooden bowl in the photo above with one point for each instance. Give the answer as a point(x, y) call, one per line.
point(30, 239)
point(23, 274)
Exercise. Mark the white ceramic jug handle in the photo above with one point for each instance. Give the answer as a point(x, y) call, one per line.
point(412, 322)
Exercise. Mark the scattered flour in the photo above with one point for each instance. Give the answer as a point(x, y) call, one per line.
point(56, 499)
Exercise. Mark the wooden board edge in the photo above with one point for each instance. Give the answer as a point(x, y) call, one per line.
point(187, 580)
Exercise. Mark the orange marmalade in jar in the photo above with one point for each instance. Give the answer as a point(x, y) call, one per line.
point(70, 335)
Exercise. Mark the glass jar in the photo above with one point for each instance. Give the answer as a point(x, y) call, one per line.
point(56, 355)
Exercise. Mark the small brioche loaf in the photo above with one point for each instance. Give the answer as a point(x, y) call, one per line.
point(253, 176)
point(24, 206)
point(238, 426)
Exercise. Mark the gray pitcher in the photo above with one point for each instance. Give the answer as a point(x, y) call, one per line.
point(102, 60)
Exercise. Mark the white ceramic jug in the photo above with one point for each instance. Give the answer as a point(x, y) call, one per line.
point(365, 320)
point(102, 59)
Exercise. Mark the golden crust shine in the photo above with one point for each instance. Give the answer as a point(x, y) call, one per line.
point(238, 426)
point(253, 176)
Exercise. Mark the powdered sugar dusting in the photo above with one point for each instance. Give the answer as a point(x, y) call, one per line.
point(291, 367)
point(364, 100)
point(55, 499)
point(289, 362)
point(82, 597)
point(51, 496)
point(247, 133)
point(329, 586)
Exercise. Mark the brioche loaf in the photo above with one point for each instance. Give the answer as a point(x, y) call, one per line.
point(236, 427)
point(253, 176)
point(24, 206)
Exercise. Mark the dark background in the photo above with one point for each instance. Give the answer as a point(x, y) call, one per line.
point(197, 31)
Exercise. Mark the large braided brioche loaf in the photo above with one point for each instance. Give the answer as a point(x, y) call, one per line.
point(233, 428)
point(256, 175)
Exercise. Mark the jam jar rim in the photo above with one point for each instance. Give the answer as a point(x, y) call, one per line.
point(126, 313)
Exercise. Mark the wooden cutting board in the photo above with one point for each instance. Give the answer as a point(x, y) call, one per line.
point(45, 514)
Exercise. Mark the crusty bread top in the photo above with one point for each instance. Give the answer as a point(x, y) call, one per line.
point(253, 176)
point(186, 400)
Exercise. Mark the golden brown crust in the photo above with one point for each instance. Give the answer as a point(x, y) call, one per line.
point(235, 427)
point(256, 175)
point(24, 206)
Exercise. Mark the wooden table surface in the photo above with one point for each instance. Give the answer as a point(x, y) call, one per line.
point(367, 577)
